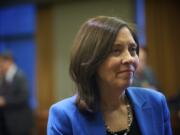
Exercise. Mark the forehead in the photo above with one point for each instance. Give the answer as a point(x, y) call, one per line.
point(124, 36)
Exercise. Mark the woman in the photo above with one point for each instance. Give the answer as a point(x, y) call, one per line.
point(103, 62)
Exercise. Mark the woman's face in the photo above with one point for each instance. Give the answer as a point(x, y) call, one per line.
point(117, 70)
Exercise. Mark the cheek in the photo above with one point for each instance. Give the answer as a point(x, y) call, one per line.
point(110, 65)
point(106, 67)
point(103, 69)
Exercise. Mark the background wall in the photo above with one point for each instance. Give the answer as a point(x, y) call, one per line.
point(163, 43)
point(45, 82)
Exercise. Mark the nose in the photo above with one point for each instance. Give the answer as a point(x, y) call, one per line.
point(127, 58)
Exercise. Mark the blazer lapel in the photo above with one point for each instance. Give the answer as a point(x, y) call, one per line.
point(143, 113)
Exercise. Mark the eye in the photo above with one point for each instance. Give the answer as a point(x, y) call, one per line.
point(133, 50)
point(116, 51)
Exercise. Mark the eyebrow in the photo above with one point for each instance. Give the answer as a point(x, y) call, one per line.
point(129, 44)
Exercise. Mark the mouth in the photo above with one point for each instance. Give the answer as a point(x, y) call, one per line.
point(127, 71)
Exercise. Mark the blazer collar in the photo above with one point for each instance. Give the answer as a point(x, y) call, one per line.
point(137, 99)
point(143, 111)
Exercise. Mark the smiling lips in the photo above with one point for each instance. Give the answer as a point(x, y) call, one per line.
point(127, 70)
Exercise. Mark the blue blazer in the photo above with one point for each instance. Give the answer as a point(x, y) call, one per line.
point(150, 108)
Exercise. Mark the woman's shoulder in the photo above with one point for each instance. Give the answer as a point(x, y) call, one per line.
point(60, 114)
point(65, 105)
point(152, 95)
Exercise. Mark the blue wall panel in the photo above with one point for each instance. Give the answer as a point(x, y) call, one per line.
point(17, 19)
point(16, 22)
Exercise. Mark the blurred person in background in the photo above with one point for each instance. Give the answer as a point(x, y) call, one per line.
point(15, 113)
point(1, 74)
point(144, 76)
point(103, 62)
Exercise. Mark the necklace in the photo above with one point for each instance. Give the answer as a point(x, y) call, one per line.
point(129, 120)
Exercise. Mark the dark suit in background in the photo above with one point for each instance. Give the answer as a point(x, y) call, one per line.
point(16, 115)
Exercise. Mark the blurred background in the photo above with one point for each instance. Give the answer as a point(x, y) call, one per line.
point(40, 35)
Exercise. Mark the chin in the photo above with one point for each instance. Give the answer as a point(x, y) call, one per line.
point(126, 83)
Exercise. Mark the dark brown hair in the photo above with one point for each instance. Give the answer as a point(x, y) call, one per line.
point(92, 45)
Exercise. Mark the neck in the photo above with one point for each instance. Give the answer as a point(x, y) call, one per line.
point(111, 101)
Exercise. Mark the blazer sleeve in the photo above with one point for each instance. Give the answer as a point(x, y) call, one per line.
point(58, 122)
point(167, 123)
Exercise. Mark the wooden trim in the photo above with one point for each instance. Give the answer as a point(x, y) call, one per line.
point(162, 19)
point(45, 86)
